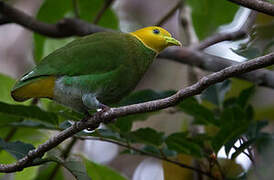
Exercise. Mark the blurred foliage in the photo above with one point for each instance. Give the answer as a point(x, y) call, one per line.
point(17, 149)
point(260, 41)
point(208, 15)
point(64, 9)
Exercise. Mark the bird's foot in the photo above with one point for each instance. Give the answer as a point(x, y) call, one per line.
point(102, 110)
point(97, 115)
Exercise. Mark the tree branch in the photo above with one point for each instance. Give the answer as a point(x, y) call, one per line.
point(75, 8)
point(65, 155)
point(258, 5)
point(213, 63)
point(106, 5)
point(113, 113)
point(146, 154)
point(64, 28)
point(219, 37)
point(170, 13)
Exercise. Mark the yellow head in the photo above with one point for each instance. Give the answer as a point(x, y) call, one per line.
point(156, 38)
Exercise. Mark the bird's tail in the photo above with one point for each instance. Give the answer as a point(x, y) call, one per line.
point(34, 88)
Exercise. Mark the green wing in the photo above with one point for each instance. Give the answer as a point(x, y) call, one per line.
point(93, 54)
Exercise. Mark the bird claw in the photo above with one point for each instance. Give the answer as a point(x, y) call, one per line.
point(97, 115)
point(102, 110)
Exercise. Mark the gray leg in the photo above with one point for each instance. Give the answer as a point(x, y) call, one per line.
point(90, 101)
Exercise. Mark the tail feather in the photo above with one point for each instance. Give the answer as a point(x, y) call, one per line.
point(34, 88)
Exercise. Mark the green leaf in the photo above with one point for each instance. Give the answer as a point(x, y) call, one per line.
point(241, 100)
point(61, 9)
point(107, 133)
point(88, 11)
point(255, 128)
point(64, 113)
point(216, 93)
point(26, 135)
point(32, 112)
point(17, 149)
point(249, 111)
point(144, 96)
point(45, 172)
point(151, 149)
point(201, 114)
point(261, 41)
point(31, 124)
point(245, 95)
point(208, 15)
point(100, 172)
point(229, 145)
point(230, 102)
point(230, 168)
point(124, 124)
point(7, 118)
point(147, 136)
point(233, 124)
point(181, 144)
point(58, 10)
point(6, 84)
point(27, 173)
point(77, 168)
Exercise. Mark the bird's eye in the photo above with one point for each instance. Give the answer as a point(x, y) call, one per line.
point(156, 31)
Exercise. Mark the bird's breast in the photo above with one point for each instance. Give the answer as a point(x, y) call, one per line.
point(68, 95)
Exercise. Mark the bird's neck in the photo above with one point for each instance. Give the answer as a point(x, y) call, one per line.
point(147, 41)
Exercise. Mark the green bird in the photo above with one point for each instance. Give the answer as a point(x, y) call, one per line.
point(94, 71)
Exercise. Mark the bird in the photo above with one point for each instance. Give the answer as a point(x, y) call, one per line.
point(94, 71)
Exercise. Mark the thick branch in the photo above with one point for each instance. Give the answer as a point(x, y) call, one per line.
point(213, 63)
point(64, 28)
point(113, 113)
point(258, 5)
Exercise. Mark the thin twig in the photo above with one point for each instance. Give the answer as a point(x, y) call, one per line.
point(164, 158)
point(258, 5)
point(169, 14)
point(190, 39)
point(249, 154)
point(150, 106)
point(10, 134)
point(75, 8)
point(65, 154)
point(245, 153)
point(229, 36)
point(105, 7)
